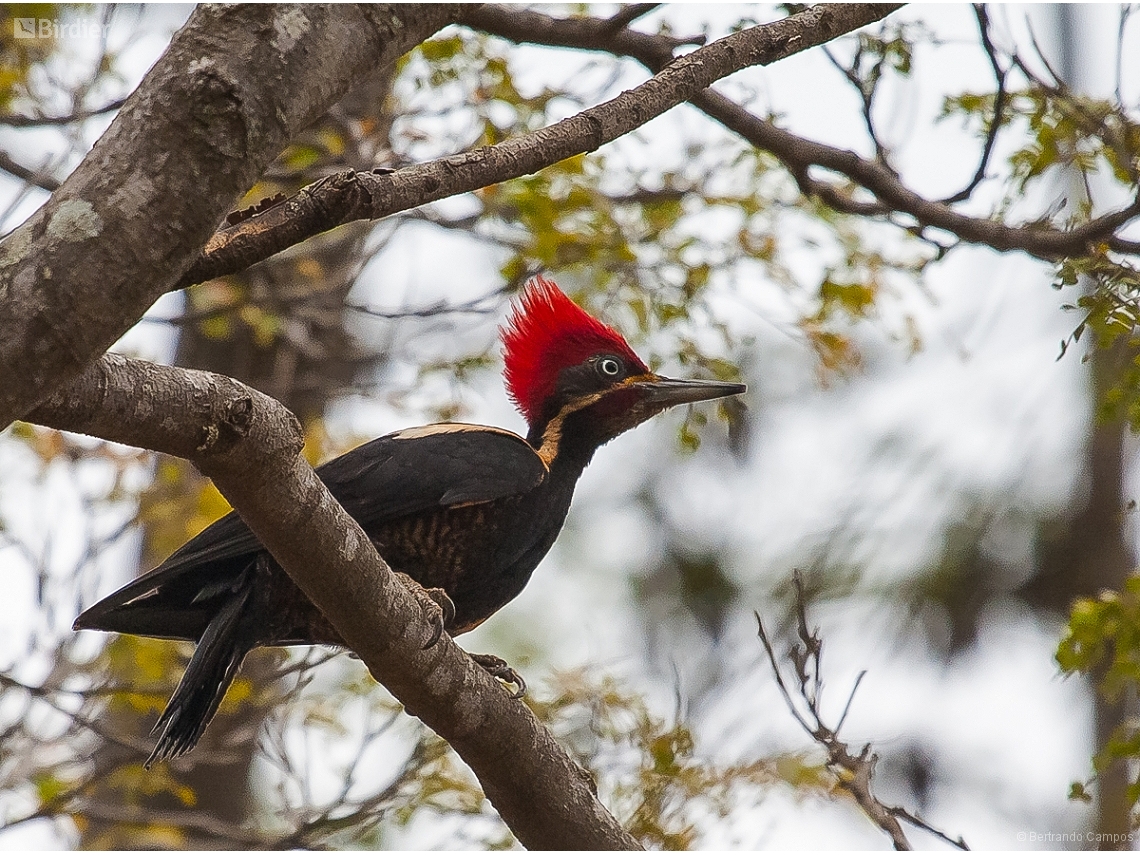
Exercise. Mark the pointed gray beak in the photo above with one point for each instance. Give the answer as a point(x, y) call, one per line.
point(664, 392)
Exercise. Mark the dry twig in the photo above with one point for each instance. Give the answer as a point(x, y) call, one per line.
point(852, 771)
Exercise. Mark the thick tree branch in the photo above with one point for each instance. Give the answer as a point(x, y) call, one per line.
point(194, 136)
point(801, 155)
point(249, 445)
point(351, 196)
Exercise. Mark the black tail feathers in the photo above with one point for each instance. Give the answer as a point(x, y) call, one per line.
point(212, 668)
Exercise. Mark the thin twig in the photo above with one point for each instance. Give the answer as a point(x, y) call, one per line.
point(918, 822)
point(853, 772)
point(779, 676)
point(850, 699)
point(17, 121)
point(1000, 75)
point(867, 87)
point(35, 177)
point(1126, 11)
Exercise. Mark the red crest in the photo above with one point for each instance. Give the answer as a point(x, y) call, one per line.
point(547, 332)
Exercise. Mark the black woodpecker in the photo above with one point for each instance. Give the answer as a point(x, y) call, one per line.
point(466, 511)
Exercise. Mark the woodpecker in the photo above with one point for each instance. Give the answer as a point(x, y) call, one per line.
point(463, 512)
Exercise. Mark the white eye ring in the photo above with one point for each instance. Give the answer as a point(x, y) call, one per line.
point(609, 366)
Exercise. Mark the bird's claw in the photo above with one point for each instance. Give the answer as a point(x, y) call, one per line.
point(438, 609)
point(441, 613)
point(499, 669)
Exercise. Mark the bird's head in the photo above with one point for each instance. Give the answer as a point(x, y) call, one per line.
point(577, 381)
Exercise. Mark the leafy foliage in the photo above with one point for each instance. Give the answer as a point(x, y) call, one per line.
point(1059, 129)
point(649, 769)
point(1064, 135)
point(1111, 309)
point(1102, 641)
point(20, 54)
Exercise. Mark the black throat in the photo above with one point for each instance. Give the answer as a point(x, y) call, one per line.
point(567, 442)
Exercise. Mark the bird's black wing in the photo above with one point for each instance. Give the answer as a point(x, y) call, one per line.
point(396, 475)
point(429, 467)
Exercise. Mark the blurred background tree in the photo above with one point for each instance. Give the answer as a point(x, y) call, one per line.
point(912, 443)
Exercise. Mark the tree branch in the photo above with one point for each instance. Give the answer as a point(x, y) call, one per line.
point(349, 196)
point(801, 155)
point(998, 118)
point(853, 772)
point(31, 176)
point(13, 120)
point(1044, 242)
point(195, 135)
point(628, 14)
point(250, 446)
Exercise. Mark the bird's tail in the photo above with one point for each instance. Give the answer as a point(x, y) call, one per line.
point(220, 652)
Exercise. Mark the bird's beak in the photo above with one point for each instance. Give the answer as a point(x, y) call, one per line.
point(664, 392)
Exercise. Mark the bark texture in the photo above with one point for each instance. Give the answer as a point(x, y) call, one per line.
point(235, 85)
point(305, 364)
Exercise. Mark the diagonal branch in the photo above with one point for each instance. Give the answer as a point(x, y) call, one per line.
point(800, 156)
point(250, 446)
point(351, 196)
point(35, 177)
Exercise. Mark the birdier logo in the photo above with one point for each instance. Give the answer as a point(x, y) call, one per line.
point(48, 28)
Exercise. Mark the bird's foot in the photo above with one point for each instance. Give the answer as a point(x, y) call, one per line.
point(499, 669)
point(437, 606)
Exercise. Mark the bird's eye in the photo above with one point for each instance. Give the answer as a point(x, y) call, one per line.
point(609, 367)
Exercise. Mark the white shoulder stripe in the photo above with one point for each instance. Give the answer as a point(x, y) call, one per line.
point(448, 427)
